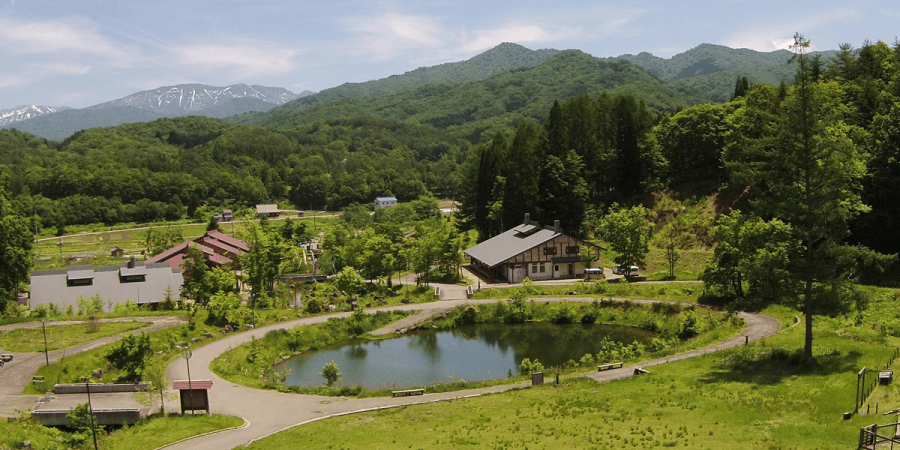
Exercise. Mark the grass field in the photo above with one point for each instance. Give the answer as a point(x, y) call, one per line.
point(754, 397)
point(31, 340)
point(146, 435)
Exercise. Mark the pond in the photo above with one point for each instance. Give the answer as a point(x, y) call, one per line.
point(471, 353)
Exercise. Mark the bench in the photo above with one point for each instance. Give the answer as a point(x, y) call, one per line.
point(37, 379)
point(614, 365)
point(409, 392)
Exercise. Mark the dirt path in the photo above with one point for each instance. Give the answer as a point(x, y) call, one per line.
point(269, 412)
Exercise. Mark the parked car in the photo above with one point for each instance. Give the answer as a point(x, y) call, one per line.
point(593, 272)
point(6, 358)
point(628, 271)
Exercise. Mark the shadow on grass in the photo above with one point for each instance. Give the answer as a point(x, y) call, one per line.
point(770, 366)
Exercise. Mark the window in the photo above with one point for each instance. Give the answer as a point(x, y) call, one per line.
point(534, 268)
point(80, 282)
point(550, 251)
point(542, 268)
point(572, 250)
point(132, 278)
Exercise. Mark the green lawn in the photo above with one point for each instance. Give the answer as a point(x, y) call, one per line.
point(752, 397)
point(146, 435)
point(31, 340)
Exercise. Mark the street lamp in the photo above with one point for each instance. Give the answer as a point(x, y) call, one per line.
point(187, 358)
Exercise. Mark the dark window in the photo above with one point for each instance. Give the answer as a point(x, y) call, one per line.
point(133, 278)
point(572, 250)
point(534, 268)
point(549, 250)
point(80, 282)
point(542, 268)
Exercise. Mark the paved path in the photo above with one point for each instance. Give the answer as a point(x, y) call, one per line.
point(15, 375)
point(269, 412)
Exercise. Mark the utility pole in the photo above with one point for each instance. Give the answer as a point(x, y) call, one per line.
point(46, 352)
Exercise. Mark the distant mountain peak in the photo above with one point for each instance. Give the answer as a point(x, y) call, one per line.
point(25, 112)
point(194, 97)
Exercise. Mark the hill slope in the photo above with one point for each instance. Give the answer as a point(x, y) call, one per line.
point(475, 110)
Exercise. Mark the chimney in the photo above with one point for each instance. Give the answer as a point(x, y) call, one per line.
point(527, 218)
point(131, 262)
point(556, 226)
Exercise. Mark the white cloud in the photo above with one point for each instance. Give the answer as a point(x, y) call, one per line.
point(780, 36)
point(388, 36)
point(242, 60)
point(69, 37)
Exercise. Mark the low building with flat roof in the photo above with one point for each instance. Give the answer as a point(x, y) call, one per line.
point(134, 281)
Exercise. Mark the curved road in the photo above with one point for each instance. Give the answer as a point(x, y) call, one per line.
point(15, 375)
point(267, 412)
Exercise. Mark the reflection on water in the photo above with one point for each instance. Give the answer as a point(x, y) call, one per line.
point(472, 353)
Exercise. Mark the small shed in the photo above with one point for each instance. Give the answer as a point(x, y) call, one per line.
point(194, 394)
point(117, 252)
point(385, 202)
point(227, 215)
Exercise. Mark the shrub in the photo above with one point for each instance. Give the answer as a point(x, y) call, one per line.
point(331, 373)
point(589, 317)
point(563, 313)
point(528, 367)
point(468, 316)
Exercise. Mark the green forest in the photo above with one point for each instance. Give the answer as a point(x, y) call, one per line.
point(562, 136)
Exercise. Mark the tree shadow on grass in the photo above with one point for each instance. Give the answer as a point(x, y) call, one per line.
point(770, 366)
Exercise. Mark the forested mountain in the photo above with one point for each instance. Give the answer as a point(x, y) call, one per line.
point(560, 139)
point(710, 70)
point(501, 58)
point(475, 110)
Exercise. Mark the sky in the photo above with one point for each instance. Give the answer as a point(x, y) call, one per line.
point(80, 53)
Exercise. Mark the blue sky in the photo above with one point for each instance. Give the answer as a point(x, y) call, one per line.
point(83, 52)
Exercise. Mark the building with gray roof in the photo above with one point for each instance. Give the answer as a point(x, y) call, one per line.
point(134, 281)
point(529, 250)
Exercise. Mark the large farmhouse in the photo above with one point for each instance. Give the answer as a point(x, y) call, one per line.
point(528, 250)
point(219, 250)
point(133, 281)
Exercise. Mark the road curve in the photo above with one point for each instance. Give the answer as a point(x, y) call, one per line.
point(15, 375)
point(269, 411)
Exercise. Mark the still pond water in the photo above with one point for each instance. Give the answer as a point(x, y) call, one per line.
point(472, 353)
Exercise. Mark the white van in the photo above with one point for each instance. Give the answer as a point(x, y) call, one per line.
point(628, 271)
point(593, 273)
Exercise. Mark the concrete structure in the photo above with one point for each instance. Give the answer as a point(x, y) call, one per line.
point(528, 250)
point(134, 281)
point(267, 211)
point(385, 202)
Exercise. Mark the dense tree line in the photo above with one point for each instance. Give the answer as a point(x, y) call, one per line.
point(176, 168)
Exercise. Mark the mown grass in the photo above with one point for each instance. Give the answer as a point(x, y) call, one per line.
point(31, 340)
point(751, 397)
point(678, 292)
point(148, 434)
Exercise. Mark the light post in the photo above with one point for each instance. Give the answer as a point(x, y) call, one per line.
point(87, 385)
point(187, 358)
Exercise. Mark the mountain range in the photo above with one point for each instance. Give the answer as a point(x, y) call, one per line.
point(57, 123)
point(704, 73)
